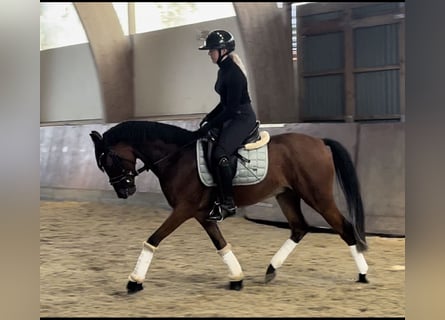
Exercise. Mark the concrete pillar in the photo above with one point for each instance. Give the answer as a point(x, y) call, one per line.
point(112, 53)
point(266, 36)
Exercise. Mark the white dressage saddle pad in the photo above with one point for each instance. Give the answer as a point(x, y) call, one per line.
point(247, 173)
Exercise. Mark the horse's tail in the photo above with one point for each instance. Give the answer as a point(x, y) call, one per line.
point(347, 177)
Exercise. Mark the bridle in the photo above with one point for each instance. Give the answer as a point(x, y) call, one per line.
point(133, 173)
point(126, 173)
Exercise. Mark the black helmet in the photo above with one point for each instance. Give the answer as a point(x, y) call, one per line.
point(219, 39)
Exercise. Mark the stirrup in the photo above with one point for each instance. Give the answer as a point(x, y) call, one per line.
point(228, 210)
point(220, 212)
point(215, 214)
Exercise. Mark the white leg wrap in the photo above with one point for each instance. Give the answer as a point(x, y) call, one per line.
point(236, 273)
point(144, 260)
point(359, 258)
point(282, 254)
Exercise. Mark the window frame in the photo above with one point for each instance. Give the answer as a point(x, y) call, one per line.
point(347, 23)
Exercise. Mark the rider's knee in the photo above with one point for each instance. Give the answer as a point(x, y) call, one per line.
point(223, 161)
point(218, 155)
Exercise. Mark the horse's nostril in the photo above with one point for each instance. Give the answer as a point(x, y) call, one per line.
point(122, 194)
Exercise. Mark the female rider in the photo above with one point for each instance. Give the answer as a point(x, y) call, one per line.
point(233, 116)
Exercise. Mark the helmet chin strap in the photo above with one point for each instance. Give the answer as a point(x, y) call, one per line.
point(221, 56)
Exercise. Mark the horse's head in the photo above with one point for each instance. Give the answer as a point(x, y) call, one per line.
point(118, 162)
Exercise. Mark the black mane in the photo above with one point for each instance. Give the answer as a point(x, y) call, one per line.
point(136, 132)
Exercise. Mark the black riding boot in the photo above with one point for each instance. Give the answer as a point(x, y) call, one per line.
point(226, 205)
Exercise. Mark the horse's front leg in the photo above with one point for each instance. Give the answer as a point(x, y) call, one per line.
point(137, 277)
point(224, 249)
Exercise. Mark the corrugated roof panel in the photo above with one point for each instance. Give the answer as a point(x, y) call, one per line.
point(376, 46)
point(377, 93)
point(323, 52)
point(324, 96)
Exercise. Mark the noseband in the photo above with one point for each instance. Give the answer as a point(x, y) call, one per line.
point(126, 174)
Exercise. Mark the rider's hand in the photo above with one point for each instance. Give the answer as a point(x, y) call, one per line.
point(202, 131)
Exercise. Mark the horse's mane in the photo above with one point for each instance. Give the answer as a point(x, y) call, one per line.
point(136, 132)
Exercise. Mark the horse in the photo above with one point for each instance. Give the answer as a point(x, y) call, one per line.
point(301, 167)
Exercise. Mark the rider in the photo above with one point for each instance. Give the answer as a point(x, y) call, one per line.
point(234, 116)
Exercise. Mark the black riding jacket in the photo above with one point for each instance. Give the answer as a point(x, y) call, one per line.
point(231, 85)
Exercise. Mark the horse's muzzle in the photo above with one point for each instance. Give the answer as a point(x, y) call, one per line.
point(125, 192)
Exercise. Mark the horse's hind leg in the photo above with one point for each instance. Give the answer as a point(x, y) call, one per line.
point(345, 229)
point(290, 204)
point(224, 249)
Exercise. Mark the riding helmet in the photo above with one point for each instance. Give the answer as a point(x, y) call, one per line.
point(219, 39)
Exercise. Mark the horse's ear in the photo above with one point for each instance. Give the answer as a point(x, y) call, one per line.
point(97, 138)
point(99, 147)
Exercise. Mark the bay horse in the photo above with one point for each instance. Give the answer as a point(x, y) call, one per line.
point(301, 167)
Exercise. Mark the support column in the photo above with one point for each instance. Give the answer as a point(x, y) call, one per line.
point(113, 57)
point(266, 36)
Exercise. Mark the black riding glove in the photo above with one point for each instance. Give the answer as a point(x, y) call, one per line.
point(202, 131)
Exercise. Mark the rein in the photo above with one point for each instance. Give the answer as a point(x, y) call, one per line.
point(135, 173)
point(138, 171)
point(145, 167)
point(174, 153)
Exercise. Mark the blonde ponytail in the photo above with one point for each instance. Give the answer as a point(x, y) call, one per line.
point(235, 57)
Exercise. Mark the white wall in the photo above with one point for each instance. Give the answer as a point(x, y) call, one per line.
point(69, 87)
point(172, 77)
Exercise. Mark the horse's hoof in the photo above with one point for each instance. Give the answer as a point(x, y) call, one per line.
point(362, 278)
point(236, 285)
point(133, 287)
point(270, 274)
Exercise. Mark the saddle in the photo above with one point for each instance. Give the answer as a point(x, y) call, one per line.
point(255, 140)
